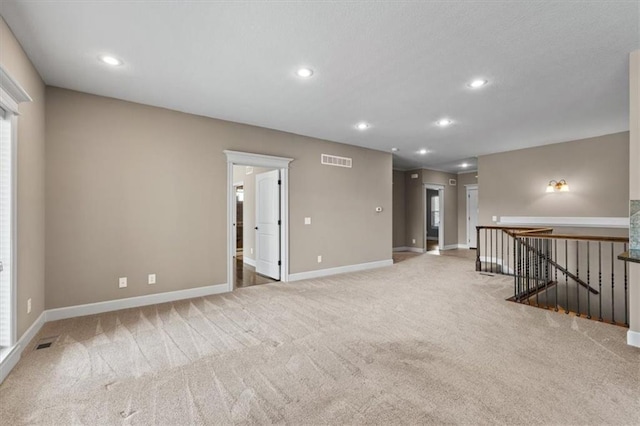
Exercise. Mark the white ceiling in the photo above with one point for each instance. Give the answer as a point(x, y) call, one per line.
point(558, 70)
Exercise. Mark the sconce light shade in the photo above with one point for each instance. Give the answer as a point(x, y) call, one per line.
point(551, 187)
point(560, 185)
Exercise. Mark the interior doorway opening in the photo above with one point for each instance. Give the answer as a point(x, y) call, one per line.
point(258, 186)
point(434, 217)
point(472, 216)
point(257, 204)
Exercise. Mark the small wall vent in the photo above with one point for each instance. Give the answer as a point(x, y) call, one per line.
point(46, 342)
point(334, 160)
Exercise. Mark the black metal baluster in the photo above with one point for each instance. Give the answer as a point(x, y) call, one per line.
point(588, 282)
point(578, 275)
point(485, 250)
point(545, 244)
point(491, 248)
point(528, 266)
point(626, 294)
point(502, 250)
point(599, 280)
point(555, 259)
point(537, 265)
point(613, 284)
point(566, 280)
point(478, 264)
point(516, 252)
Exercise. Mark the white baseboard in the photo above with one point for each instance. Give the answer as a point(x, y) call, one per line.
point(249, 261)
point(450, 247)
point(13, 356)
point(633, 338)
point(133, 302)
point(463, 246)
point(415, 249)
point(339, 270)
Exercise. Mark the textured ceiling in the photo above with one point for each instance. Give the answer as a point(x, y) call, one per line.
point(557, 70)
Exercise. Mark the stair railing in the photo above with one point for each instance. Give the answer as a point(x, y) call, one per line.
point(578, 274)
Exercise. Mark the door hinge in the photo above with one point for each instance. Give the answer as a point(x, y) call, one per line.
point(279, 182)
point(279, 223)
point(279, 263)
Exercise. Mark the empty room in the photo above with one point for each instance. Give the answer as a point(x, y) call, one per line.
point(310, 212)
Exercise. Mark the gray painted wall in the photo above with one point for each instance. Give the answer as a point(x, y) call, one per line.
point(134, 189)
point(399, 226)
point(597, 169)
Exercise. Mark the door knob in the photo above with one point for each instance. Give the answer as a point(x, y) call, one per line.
point(256, 228)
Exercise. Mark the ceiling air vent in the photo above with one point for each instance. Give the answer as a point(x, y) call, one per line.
point(334, 160)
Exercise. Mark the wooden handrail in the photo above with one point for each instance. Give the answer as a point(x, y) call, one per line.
point(574, 237)
point(538, 232)
point(524, 228)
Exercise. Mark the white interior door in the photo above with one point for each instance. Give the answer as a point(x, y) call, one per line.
point(268, 224)
point(472, 216)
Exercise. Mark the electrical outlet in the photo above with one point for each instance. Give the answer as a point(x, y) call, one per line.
point(319, 259)
point(413, 241)
point(122, 282)
point(307, 221)
point(152, 278)
point(29, 305)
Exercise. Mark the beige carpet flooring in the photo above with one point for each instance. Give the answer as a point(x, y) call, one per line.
point(425, 341)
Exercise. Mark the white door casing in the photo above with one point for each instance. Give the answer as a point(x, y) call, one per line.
point(268, 224)
point(472, 215)
point(259, 160)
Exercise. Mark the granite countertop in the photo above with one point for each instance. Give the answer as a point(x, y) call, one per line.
point(630, 256)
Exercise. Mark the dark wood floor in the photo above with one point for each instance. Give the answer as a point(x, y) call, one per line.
point(246, 275)
point(432, 245)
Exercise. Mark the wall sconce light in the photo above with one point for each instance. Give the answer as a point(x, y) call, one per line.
point(561, 186)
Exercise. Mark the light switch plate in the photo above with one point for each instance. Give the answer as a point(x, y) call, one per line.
point(122, 282)
point(307, 221)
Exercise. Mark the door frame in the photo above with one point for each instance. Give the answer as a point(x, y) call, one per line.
point(467, 188)
point(11, 95)
point(237, 158)
point(440, 189)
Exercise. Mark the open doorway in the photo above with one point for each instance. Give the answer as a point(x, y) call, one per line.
point(472, 216)
point(258, 249)
point(434, 217)
point(257, 222)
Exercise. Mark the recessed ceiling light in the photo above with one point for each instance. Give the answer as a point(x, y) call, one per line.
point(444, 122)
point(110, 60)
point(304, 72)
point(423, 151)
point(394, 149)
point(464, 165)
point(362, 126)
point(475, 84)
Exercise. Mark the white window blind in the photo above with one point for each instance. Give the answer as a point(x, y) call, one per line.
point(5, 228)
